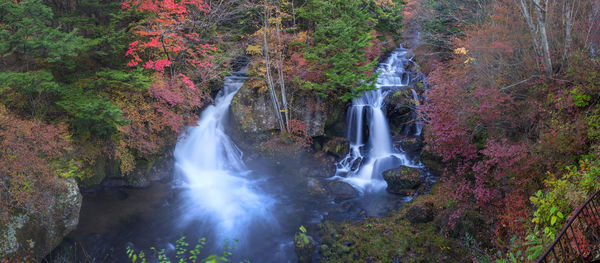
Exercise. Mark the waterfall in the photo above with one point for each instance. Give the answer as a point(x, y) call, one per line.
point(418, 121)
point(371, 148)
point(220, 192)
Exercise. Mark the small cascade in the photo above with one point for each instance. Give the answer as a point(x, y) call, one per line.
point(418, 121)
point(220, 192)
point(371, 147)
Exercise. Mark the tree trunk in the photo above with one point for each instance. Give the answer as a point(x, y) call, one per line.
point(595, 29)
point(523, 7)
point(540, 12)
point(281, 81)
point(568, 11)
point(271, 86)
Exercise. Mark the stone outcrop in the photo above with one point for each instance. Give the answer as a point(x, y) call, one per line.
point(254, 113)
point(36, 234)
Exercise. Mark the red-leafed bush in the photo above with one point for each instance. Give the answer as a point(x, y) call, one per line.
point(159, 114)
point(32, 155)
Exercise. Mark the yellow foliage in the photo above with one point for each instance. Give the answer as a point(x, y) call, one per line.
point(460, 51)
point(127, 159)
point(254, 50)
point(275, 20)
point(301, 37)
point(384, 3)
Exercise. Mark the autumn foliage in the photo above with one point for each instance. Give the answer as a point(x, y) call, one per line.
point(32, 156)
point(168, 39)
point(497, 121)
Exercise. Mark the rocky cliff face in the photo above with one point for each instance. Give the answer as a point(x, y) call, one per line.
point(36, 234)
point(254, 113)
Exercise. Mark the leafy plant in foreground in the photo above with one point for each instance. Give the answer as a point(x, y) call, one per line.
point(183, 253)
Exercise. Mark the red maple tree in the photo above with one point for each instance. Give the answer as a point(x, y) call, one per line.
point(167, 39)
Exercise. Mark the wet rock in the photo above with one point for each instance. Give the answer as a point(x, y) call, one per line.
point(420, 213)
point(37, 233)
point(341, 191)
point(399, 110)
point(412, 146)
point(356, 164)
point(403, 180)
point(315, 189)
point(304, 246)
point(322, 166)
point(337, 146)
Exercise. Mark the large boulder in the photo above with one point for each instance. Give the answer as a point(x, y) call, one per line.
point(315, 189)
point(403, 180)
point(341, 191)
point(253, 111)
point(35, 234)
point(421, 212)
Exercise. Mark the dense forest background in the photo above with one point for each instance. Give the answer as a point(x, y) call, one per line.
point(97, 88)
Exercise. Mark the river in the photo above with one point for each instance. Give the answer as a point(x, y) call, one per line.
point(251, 205)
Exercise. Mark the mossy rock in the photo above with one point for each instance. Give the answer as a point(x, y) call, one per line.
point(304, 246)
point(401, 179)
point(337, 146)
point(420, 212)
point(33, 235)
point(394, 238)
point(432, 161)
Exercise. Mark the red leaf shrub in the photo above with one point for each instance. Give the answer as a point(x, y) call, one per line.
point(31, 152)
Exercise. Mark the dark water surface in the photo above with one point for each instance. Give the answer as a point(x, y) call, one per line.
point(157, 216)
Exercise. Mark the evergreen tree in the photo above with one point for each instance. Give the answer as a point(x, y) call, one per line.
point(342, 31)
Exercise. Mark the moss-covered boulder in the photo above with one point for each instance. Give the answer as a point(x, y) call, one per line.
point(337, 146)
point(33, 234)
point(420, 212)
point(395, 237)
point(403, 180)
point(304, 246)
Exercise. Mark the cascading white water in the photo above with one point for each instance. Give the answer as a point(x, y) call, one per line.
point(418, 121)
point(372, 153)
point(216, 177)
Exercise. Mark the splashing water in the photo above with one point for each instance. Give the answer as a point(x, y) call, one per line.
point(220, 192)
point(371, 148)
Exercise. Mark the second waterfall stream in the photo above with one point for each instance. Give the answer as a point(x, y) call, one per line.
point(371, 148)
